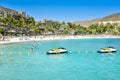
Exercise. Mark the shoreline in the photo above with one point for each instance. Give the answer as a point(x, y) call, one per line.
point(52, 37)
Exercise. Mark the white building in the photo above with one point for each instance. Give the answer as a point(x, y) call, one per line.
point(111, 22)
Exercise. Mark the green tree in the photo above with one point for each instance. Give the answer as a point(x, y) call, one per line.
point(5, 20)
point(93, 29)
point(1, 30)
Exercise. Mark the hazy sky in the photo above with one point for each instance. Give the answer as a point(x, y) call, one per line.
point(64, 10)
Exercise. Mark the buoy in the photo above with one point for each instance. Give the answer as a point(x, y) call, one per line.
point(86, 51)
point(36, 52)
point(19, 53)
point(94, 51)
point(10, 53)
point(28, 53)
point(1, 53)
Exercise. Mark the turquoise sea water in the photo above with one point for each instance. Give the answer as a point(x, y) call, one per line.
point(82, 62)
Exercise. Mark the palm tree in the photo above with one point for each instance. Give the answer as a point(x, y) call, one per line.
point(23, 21)
point(10, 20)
point(66, 31)
point(1, 30)
point(32, 21)
point(63, 23)
point(5, 21)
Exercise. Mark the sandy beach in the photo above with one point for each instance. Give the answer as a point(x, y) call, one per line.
point(52, 37)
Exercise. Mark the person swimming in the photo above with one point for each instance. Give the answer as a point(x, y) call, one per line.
point(40, 42)
point(32, 48)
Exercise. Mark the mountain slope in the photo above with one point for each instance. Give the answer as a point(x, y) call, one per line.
point(113, 17)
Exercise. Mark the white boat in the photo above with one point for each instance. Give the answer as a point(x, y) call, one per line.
point(107, 50)
point(57, 51)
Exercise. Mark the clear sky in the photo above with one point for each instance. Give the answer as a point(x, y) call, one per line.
point(64, 10)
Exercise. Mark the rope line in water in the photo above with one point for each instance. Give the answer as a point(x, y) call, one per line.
point(36, 52)
point(86, 51)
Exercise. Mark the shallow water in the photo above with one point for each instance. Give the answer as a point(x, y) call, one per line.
point(82, 62)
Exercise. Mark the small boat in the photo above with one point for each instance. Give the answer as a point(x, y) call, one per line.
point(107, 50)
point(57, 51)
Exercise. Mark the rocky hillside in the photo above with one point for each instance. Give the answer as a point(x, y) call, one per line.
point(10, 11)
point(113, 17)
